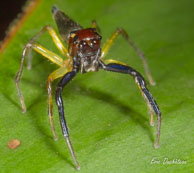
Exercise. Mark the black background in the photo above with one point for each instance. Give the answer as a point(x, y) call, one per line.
point(8, 12)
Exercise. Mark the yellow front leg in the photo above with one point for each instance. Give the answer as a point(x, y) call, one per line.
point(113, 38)
point(43, 51)
point(55, 39)
point(109, 61)
point(53, 57)
point(54, 75)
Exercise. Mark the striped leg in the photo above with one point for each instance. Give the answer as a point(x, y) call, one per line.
point(54, 75)
point(63, 82)
point(121, 68)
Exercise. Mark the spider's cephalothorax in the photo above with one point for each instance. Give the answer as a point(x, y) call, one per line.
point(84, 45)
point(84, 54)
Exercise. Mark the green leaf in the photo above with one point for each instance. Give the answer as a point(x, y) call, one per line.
point(106, 115)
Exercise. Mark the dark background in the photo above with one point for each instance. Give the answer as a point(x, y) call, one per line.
point(8, 12)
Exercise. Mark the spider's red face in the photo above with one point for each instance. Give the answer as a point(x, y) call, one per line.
point(85, 45)
point(86, 41)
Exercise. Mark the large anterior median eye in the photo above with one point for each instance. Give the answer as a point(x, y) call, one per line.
point(93, 43)
point(83, 44)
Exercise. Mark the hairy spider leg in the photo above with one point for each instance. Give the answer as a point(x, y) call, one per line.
point(66, 79)
point(113, 38)
point(121, 68)
point(108, 61)
point(46, 53)
point(55, 39)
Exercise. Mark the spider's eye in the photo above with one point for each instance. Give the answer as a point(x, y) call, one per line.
point(83, 44)
point(75, 39)
point(94, 41)
point(99, 37)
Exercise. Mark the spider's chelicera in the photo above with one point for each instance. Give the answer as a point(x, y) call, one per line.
point(84, 54)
